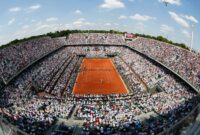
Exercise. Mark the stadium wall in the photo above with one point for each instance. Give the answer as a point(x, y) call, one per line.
point(8, 129)
point(190, 118)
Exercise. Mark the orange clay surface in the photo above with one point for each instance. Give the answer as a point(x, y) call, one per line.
point(99, 76)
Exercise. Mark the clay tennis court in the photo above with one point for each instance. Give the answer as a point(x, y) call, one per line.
point(99, 76)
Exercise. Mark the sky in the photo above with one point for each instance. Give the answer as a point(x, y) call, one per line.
point(24, 18)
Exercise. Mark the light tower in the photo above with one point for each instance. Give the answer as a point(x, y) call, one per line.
point(192, 35)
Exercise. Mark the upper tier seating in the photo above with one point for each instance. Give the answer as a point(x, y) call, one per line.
point(185, 63)
point(16, 57)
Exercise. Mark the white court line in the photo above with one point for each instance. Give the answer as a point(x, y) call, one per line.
point(109, 78)
point(78, 76)
point(120, 76)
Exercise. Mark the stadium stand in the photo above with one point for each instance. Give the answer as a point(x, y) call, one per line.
point(42, 94)
point(182, 61)
point(16, 57)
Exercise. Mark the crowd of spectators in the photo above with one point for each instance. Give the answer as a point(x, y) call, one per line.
point(102, 114)
point(120, 116)
point(95, 38)
point(182, 61)
point(33, 114)
point(16, 57)
point(134, 83)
